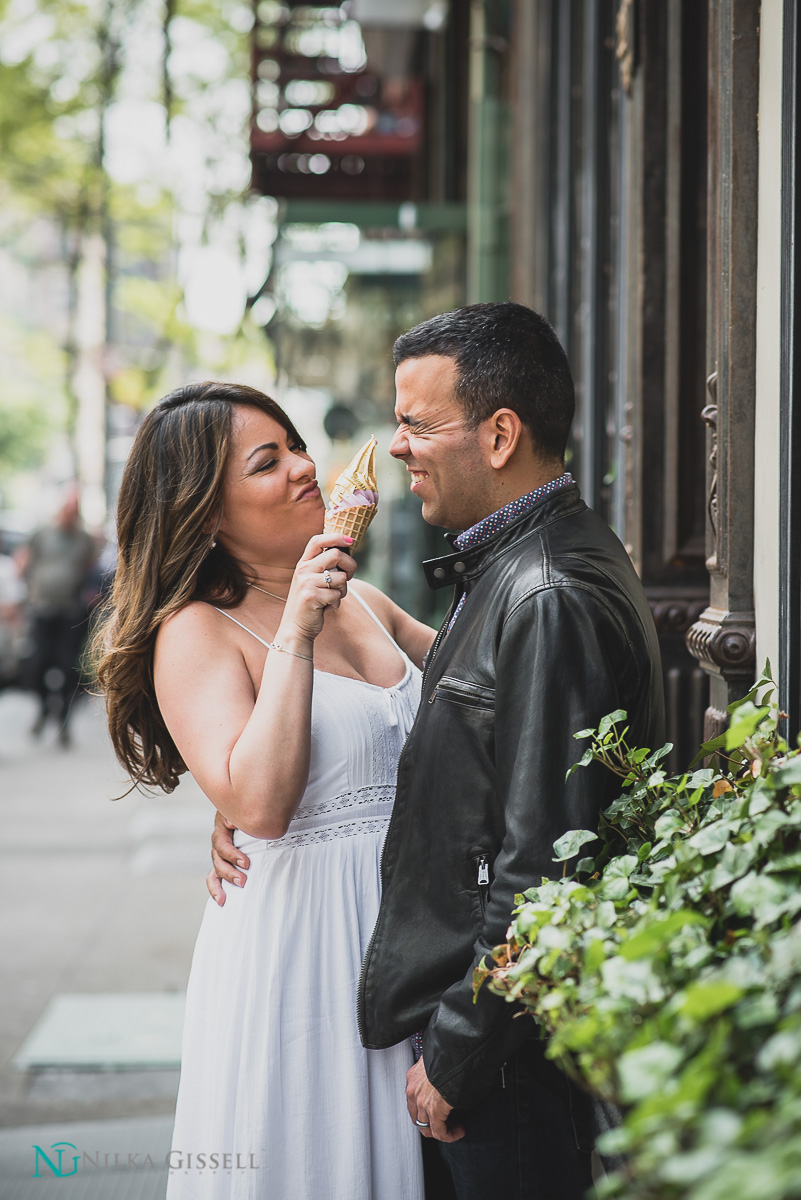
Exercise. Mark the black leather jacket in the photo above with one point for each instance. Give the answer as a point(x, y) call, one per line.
point(555, 633)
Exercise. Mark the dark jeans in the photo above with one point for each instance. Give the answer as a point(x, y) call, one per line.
point(57, 643)
point(530, 1138)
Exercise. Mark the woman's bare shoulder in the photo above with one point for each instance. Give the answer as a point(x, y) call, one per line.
point(195, 621)
point(384, 608)
point(411, 635)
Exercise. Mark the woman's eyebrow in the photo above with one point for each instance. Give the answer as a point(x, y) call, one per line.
point(265, 446)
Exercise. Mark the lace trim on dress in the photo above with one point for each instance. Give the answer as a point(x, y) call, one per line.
point(362, 810)
point(371, 794)
point(329, 832)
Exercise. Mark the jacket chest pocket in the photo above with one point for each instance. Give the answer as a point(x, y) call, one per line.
point(467, 694)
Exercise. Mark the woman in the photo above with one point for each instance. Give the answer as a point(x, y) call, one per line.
point(236, 649)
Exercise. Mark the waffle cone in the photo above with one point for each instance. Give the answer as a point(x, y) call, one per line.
point(352, 522)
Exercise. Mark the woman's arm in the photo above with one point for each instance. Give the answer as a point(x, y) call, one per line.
point(413, 637)
point(251, 758)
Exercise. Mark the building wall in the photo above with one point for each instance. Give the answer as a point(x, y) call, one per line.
point(768, 353)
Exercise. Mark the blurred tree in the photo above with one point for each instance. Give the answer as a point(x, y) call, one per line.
point(123, 130)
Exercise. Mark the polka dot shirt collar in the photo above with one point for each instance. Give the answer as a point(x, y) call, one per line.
point(496, 521)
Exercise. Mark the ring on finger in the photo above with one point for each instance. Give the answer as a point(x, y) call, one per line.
point(327, 578)
point(422, 1124)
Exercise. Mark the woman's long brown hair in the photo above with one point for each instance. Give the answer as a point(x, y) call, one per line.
point(169, 510)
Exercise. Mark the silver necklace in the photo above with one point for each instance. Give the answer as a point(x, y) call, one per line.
point(283, 599)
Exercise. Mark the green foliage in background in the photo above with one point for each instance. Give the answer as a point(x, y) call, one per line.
point(24, 435)
point(76, 77)
point(666, 970)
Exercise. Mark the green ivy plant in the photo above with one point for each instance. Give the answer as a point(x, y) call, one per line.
point(665, 970)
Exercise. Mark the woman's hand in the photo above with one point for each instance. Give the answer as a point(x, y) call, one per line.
point(226, 858)
point(320, 582)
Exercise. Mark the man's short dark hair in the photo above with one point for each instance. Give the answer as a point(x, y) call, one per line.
point(507, 356)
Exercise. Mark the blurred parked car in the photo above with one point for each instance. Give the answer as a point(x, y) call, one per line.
point(15, 641)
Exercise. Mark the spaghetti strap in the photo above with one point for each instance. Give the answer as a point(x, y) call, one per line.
point(241, 626)
point(352, 592)
point(367, 608)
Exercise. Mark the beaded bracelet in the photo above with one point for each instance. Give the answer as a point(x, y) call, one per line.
point(283, 650)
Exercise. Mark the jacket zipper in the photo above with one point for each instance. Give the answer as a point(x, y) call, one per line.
point(482, 868)
point(438, 641)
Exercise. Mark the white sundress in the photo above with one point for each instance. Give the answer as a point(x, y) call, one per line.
point(273, 1074)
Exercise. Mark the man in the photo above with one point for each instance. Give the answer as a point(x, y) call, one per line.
point(56, 567)
point(549, 630)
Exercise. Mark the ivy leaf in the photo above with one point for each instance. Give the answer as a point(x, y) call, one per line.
point(621, 867)
point(569, 844)
point(787, 775)
point(668, 823)
point(616, 888)
point(647, 1069)
point(765, 681)
point(659, 933)
point(701, 778)
point(594, 955)
point(710, 747)
point(734, 862)
point(760, 1009)
point(760, 896)
point(707, 998)
point(783, 1049)
point(611, 719)
point(584, 761)
point(711, 838)
point(659, 754)
point(786, 862)
point(749, 717)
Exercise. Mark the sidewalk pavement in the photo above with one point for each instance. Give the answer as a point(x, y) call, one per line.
point(116, 1160)
point(101, 896)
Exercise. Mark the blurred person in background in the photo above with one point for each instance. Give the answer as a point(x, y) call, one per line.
point(56, 566)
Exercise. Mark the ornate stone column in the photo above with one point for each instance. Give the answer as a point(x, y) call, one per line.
point(723, 638)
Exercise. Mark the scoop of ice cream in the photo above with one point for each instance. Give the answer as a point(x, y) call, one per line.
point(358, 480)
point(355, 499)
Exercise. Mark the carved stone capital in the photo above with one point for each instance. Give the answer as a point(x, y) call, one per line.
point(724, 643)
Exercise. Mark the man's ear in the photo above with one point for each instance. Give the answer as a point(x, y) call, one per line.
point(503, 431)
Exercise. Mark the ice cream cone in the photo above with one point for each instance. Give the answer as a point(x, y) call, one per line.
point(346, 516)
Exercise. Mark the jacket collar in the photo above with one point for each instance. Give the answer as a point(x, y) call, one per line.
point(463, 565)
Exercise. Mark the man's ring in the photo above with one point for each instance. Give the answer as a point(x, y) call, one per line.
point(422, 1124)
point(327, 578)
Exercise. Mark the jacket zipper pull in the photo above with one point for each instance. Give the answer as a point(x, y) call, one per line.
point(433, 695)
point(483, 871)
